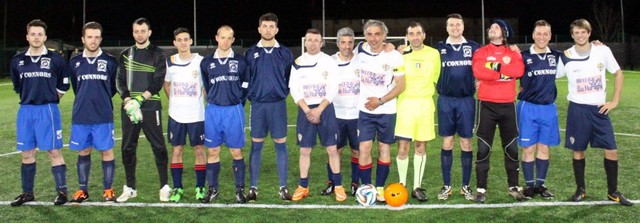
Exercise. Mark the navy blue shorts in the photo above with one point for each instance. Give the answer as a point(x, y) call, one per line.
point(177, 133)
point(537, 124)
point(224, 124)
point(348, 131)
point(456, 115)
point(382, 125)
point(585, 125)
point(269, 117)
point(39, 126)
point(98, 136)
point(327, 130)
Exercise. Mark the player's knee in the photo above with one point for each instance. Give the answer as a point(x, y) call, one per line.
point(611, 154)
point(280, 140)
point(483, 152)
point(236, 154)
point(257, 139)
point(305, 152)
point(85, 152)
point(465, 144)
point(511, 152)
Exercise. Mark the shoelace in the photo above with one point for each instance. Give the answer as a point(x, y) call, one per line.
point(79, 194)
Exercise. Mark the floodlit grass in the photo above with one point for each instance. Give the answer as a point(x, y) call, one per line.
point(560, 179)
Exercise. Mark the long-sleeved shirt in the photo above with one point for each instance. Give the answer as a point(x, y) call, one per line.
point(497, 86)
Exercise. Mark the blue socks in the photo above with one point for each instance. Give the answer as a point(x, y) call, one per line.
point(255, 161)
point(304, 182)
point(201, 174)
point(337, 179)
point(355, 170)
point(282, 159)
point(446, 161)
point(84, 167)
point(176, 174)
point(108, 168)
point(527, 171)
point(382, 172)
point(28, 173)
point(329, 174)
point(466, 159)
point(365, 173)
point(213, 172)
point(238, 172)
point(541, 171)
point(60, 176)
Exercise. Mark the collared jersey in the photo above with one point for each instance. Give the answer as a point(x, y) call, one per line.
point(497, 86)
point(94, 83)
point(421, 72)
point(456, 75)
point(314, 78)
point(225, 79)
point(269, 70)
point(345, 103)
point(586, 74)
point(39, 79)
point(539, 80)
point(376, 71)
point(186, 101)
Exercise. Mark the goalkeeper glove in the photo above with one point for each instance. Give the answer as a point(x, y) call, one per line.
point(493, 66)
point(135, 116)
point(134, 104)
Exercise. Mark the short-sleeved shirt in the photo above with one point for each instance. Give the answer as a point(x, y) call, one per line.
point(377, 72)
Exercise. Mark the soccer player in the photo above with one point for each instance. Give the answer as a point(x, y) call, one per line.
point(269, 67)
point(345, 104)
point(497, 67)
point(93, 78)
point(415, 117)
point(140, 79)
point(537, 112)
point(588, 122)
point(381, 81)
point(183, 87)
point(456, 103)
point(314, 84)
point(38, 77)
point(225, 78)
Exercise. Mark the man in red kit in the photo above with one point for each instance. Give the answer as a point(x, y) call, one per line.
point(496, 68)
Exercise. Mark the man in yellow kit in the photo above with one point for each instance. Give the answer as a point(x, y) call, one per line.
point(415, 120)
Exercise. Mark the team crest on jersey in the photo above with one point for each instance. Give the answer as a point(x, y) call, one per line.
point(212, 66)
point(194, 73)
point(466, 51)
point(600, 66)
point(356, 72)
point(233, 66)
point(325, 74)
point(256, 55)
point(552, 60)
point(45, 63)
point(418, 65)
point(529, 61)
point(102, 66)
point(77, 64)
point(386, 67)
point(443, 51)
point(21, 63)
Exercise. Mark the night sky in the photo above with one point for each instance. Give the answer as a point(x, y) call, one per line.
point(65, 17)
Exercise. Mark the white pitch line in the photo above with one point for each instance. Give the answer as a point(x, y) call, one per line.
point(320, 206)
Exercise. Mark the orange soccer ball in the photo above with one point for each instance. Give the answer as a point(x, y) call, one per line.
point(396, 195)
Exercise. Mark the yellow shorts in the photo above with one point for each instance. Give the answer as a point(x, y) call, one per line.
point(416, 119)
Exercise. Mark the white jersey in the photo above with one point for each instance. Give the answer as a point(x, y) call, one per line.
point(376, 76)
point(586, 74)
point(346, 101)
point(186, 101)
point(314, 78)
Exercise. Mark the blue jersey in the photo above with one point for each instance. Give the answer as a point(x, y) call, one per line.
point(225, 79)
point(539, 79)
point(456, 75)
point(269, 70)
point(94, 82)
point(39, 79)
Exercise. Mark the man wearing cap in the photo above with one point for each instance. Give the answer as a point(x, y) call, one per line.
point(496, 68)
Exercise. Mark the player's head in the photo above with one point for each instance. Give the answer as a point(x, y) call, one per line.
point(225, 37)
point(541, 34)
point(182, 39)
point(500, 31)
point(345, 41)
point(313, 41)
point(268, 26)
point(141, 30)
point(580, 31)
point(416, 34)
point(375, 32)
point(91, 36)
point(36, 33)
point(455, 25)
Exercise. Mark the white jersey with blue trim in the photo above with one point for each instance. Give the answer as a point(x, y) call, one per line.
point(94, 82)
point(586, 74)
point(346, 102)
point(314, 78)
point(186, 100)
point(376, 71)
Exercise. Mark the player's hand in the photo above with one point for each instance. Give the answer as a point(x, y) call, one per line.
point(313, 115)
point(372, 103)
point(515, 48)
point(495, 66)
point(597, 43)
point(388, 47)
point(401, 48)
point(135, 116)
point(607, 107)
point(133, 104)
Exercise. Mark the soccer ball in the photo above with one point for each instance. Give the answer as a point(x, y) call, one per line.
point(396, 195)
point(366, 195)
